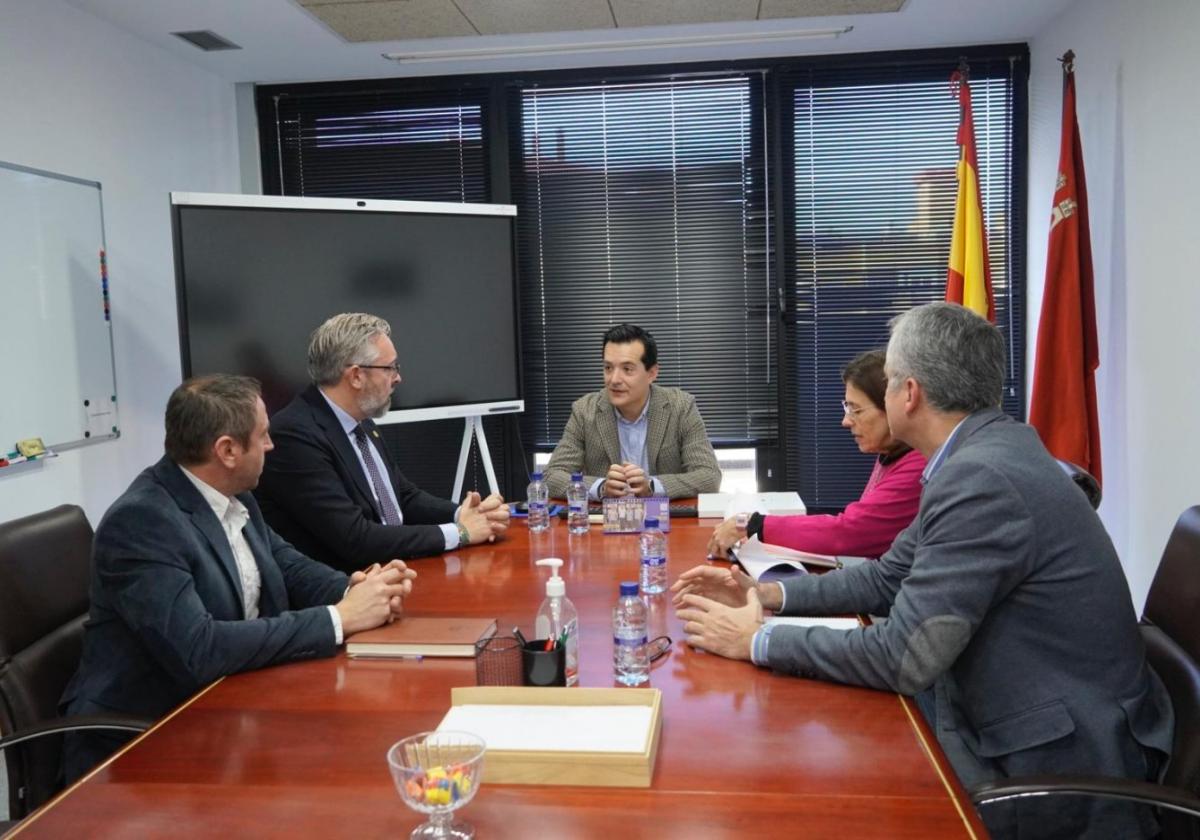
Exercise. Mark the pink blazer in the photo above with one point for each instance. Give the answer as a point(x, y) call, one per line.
point(865, 528)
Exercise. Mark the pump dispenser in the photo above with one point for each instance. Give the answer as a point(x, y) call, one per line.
point(557, 618)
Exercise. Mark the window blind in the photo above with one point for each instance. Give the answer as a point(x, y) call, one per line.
point(390, 144)
point(646, 202)
point(869, 196)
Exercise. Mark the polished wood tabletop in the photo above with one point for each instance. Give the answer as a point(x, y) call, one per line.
point(298, 750)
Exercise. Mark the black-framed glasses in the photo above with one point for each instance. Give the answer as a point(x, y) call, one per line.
point(394, 367)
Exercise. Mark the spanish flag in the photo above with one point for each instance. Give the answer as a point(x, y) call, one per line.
point(1063, 405)
point(969, 280)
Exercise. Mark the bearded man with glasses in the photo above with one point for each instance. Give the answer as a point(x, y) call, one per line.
point(331, 489)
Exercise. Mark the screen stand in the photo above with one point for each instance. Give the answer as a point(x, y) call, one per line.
point(473, 428)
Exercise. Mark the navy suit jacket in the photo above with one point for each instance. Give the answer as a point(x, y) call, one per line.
point(313, 491)
point(166, 615)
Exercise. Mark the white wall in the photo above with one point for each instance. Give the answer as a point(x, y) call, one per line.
point(1139, 120)
point(83, 98)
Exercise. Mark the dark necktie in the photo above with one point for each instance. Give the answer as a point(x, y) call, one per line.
point(391, 516)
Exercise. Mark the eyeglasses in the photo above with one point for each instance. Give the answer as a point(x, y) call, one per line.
point(851, 411)
point(394, 367)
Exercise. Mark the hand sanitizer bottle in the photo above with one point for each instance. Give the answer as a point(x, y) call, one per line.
point(557, 618)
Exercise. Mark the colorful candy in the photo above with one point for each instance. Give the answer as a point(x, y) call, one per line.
point(440, 785)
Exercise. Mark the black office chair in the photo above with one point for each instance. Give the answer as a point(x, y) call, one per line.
point(45, 562)
point(1084, 480)
point(1171, 628)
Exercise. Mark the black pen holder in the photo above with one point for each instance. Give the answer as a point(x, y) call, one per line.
point(541, 667)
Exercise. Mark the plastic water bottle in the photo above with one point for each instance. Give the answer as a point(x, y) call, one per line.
point(577, 505)
point(630, 666)
point(537, 497)
point(654, 558)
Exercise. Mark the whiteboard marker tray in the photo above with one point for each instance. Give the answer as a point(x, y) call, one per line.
point(605, 737)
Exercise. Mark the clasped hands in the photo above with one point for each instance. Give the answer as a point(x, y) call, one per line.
point(721, 609)
point(375, 596)
point(625, 480)
point(484, 519)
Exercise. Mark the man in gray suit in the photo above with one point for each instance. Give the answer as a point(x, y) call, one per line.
point(189, 584)
point(632, 436)
point(1008, 614)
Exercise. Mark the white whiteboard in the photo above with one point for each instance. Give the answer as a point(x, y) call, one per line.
point(55, 331)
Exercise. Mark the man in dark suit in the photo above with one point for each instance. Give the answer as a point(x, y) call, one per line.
point(331, 489)
point(1008, 614)
point(189, 584)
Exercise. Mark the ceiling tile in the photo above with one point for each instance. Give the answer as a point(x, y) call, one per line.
point(666, 12)
point(393, 20)
point(823, 8)
point(505, 17)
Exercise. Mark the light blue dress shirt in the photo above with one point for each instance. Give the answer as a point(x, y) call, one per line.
point(349, 424)
point(632, 434)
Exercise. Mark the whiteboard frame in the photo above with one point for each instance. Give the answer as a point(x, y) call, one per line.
point(87, 439)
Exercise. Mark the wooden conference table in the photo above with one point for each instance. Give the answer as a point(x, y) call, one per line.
point(299, 749)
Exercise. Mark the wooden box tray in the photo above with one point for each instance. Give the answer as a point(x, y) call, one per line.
point(569, 767)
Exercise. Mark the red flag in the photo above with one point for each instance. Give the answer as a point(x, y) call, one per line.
point(1063, 406)
point(969, 279)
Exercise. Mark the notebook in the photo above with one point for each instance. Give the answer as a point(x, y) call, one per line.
point(763, 561)
point(421, 636)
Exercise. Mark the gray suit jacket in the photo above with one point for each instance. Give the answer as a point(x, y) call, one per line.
point(1006, 598)
point(677, 446)
point(166, 615)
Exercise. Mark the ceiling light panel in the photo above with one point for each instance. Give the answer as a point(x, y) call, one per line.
point(393, 20)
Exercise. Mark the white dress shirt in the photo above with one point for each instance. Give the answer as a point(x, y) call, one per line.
point(233, 516)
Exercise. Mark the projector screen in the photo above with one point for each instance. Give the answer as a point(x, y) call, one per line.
point(256, 274)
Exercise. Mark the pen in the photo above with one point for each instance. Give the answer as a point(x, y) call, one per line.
point(549, 644)
point(520, 636)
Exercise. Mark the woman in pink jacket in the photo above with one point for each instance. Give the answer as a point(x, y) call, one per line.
point(888, 503)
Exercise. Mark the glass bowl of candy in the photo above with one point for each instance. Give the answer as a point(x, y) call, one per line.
point(437, 773)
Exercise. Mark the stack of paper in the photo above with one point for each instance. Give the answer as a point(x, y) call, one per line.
point(724, 505)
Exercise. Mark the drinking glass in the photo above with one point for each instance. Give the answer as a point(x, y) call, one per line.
point(437, 773)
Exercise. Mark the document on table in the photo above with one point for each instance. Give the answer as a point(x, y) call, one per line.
point(765, 562)
point(832, 623)
point(617, 729)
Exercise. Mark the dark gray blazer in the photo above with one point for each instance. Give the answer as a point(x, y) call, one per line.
point(166, 615)
point(1006, 598)
point(313, 491)
point(677, 447)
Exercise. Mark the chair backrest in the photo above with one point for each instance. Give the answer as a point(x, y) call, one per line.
point(45, 563)
point(1174, 599)
point(1084, 480)
point(1171, 628)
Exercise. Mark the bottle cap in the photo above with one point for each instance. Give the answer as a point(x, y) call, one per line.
point(629, 588)
point(537, 476)
point(652, 522)
point(555, 586)
point(577, 476)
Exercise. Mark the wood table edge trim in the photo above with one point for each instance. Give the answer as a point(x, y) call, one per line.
point(919, 729)
point(25, 823)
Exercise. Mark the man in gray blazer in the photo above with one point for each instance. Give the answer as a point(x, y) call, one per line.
point(189, 584)
point(1008, 614)
point(634, 437)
